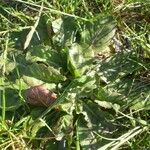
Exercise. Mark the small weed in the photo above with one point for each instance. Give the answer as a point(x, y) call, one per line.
point(94, 55)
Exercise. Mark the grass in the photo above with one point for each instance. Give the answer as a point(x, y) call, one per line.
point(95, 55)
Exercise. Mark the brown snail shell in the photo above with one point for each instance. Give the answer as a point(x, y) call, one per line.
point(40, 96)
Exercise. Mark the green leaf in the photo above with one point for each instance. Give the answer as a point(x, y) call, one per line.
point(69, 29)
point(31, 81)
point(108, 105)
point(8, 63)
point(46, 55)
point(85, 136)
point(104, 104)
point(65, 30)
point(111, 96)
point(63, 126)
point(36, 112)
point(98, 33)
point(91, 122)
point(69, 104)
point(141, 102)
point(12, 98)
point(30, 128)
point(74, 60)
point(36, 127)
point(57, 24)
point(53, 145)
point(119, 66)
point(44, 73)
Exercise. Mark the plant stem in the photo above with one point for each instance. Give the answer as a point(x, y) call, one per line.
point(3, 73)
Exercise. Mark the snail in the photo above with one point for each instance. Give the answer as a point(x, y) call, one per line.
point(40, 96)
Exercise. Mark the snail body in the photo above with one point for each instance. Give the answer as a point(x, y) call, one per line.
point(40, 96)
